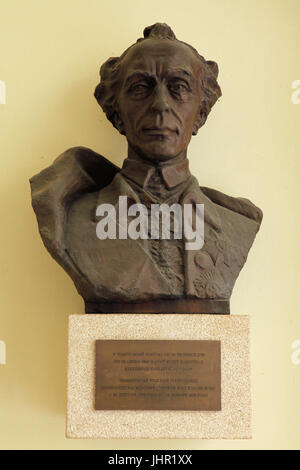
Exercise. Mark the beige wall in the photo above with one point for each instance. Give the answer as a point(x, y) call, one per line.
point(50, 52)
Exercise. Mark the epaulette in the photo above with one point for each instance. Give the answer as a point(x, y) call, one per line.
point(237, 204)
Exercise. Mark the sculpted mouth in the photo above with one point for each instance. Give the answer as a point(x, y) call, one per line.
point(155, 130)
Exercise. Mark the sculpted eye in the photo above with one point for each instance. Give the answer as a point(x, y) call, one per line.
point(178, 88)
point(139, 89)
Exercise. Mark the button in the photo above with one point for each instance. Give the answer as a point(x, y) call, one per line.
point(203, 261)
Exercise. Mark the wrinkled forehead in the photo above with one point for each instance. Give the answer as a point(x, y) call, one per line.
point(160, 57)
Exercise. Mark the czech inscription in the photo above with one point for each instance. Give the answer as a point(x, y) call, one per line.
point(158, 375)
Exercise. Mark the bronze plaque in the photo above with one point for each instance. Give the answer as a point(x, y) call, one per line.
point(158, 375)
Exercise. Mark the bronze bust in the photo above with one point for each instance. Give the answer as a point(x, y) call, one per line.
point(158, 94)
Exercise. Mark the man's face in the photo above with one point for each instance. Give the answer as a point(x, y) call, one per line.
point(159, 98)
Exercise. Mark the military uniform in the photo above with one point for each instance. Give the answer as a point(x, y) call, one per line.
point(65, 197)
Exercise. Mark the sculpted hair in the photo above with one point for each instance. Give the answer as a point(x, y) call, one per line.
point(106, 92)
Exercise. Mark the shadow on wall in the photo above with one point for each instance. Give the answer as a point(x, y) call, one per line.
point(70, 118)
point(40, 295)
point(39, 299)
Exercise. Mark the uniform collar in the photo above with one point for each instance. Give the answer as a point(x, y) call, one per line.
point(192, 194)
point(140, 172)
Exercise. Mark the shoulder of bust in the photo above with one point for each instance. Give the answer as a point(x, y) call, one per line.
point(75, 172)
point(239, 205)
point(87, 164)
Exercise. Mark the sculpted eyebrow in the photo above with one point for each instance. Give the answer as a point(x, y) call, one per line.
point(135, 76)
point(184, 75)
point(181, 71)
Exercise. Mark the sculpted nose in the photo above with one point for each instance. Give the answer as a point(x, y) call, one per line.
point(160, 101)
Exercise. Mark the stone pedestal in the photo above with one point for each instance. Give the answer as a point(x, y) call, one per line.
point(232, 422)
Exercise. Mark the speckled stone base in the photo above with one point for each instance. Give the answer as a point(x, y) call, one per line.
point(232, 422)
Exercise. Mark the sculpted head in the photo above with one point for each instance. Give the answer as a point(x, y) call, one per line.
point(158, 94)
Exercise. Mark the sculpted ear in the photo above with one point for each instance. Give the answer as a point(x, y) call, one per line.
point(200, 121)
point(118, 123)
point(213, 67)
